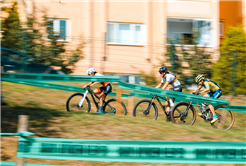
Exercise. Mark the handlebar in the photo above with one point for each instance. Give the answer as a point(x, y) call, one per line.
point(88, 88)
point(198, 93)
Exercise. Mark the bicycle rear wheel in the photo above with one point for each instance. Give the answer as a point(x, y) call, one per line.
point(180, 116)
point(225, 118)
point(113, 106)
point(73, 103)
point(140, 110)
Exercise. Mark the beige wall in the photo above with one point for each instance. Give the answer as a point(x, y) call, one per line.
point(89, 18)
point(229, 17)
point(244, 15)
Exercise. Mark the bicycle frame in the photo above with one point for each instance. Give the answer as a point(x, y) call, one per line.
point(93, 95)
point(206, 116)
point(157, 98)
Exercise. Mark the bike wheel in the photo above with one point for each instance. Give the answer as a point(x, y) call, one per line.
point(111, 106)
point(73, 103)
point(225, 118)
point(180, 116)
point(140, 110)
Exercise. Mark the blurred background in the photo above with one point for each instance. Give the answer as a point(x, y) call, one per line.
point(131, 39)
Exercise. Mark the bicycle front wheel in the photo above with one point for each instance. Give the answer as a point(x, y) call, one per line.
point(73, 103)
point(113, 106)
point(144, 109)
point(183, 113)
point(225, 118)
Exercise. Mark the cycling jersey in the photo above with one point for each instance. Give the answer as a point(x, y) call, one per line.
point(211, 85)
point(103, 83)
point(215, 94)
point(172, 79)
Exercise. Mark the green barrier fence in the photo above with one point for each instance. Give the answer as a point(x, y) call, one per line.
point(19, 133)
point(8, 163)
point(138, 90)
point(179, 96)
point(133, 151)
point(59, 78)
point(236, 108)
point(56, 86)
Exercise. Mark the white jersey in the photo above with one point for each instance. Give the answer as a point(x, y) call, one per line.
point(103, 83)
point(98, 74)
point(170, 78)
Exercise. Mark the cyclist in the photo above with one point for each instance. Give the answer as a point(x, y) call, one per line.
point(104, 90)
point(169, 79)
point(213, 90)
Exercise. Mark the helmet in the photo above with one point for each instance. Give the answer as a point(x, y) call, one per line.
point(163, 69)
point(91, 70)
point(199, 78)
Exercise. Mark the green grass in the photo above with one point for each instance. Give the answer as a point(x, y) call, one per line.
point(48, 118)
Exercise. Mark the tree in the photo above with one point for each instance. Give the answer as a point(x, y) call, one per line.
point(235, 39)
point(172, 57)
point(39, 46)
point(197, 59)
point(12, 36)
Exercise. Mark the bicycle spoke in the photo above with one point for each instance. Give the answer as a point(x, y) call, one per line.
point(177, 115)
point(182, 114)
point(74, 103)
point(113, 106)
point(225, 119)
point(143, 109)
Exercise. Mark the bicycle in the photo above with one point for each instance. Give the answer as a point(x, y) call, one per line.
point(80, 101)
point(185, 113)
point(148, 109)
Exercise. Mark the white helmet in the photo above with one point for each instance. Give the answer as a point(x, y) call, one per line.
point(91, 70)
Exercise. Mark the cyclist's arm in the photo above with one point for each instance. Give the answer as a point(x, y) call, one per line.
point(93, 83)
point(195, 91)
point(165, 85)
point(158, 86)
point(90, 84)
point(205, 90)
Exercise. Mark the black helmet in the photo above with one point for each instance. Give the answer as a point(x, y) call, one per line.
point(163, 69)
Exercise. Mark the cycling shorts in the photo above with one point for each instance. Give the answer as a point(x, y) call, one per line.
point(106, 89)
point(177, 88)
point(215, 94)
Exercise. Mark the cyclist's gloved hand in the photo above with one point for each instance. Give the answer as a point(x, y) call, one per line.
point(198, 93)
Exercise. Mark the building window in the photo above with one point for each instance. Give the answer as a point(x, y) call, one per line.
point(221, 29)
point(187, 31)
point(60, 28)
point(126, 34)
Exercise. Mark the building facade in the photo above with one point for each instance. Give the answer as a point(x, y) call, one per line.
point(232, 13)
point(126, 37)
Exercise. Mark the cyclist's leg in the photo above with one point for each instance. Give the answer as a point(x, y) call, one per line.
point(177, 89)
point(167, 103)
point(97, 91)
point(216, 94)
point(104, 92)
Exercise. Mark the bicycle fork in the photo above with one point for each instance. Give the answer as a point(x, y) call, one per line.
point(184, 114)
point(82, 99)
point(146, 112)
